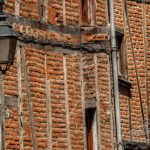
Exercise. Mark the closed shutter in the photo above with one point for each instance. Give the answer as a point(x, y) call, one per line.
point(84, 12)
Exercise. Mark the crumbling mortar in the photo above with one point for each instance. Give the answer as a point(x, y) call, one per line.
point(91, 47)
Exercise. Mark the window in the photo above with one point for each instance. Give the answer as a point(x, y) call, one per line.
point(108, 8)
point(122, 62)
point(88, 12)
point(91, 129)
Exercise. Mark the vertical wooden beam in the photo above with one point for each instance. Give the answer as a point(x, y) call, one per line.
point(30, 106)
point(112, 116)
point(64, 12)
point(18, 56)
point(83, 100)
point(45, 11)
point(67, 103)
point(98, 101)
point(49, 121)
point(17, 7)
point(48, 107)
point(92, 13)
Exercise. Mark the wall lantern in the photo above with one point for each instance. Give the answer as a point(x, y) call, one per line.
point(8, 41)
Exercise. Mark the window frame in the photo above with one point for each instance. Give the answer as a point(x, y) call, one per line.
point(88, 12)
point(121, 57)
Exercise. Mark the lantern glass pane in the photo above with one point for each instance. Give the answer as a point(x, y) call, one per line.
point(4, 50)
point(13, 43)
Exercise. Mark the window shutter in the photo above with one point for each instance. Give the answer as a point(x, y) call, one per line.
point(84, 12)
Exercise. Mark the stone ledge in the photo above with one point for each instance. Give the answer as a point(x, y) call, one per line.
point(65, 29)
point(131, 145)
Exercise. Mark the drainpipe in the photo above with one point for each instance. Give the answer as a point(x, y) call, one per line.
point(115, 75)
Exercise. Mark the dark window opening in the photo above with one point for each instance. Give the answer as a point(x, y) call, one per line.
point(122, 61)
point(108, 8)
point(91, 129)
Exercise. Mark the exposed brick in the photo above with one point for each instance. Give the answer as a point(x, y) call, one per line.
point(86, 76)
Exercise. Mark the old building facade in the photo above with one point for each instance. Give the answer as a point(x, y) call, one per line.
point(59, 92)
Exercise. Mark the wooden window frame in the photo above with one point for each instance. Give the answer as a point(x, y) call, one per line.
point(88, 12)
point(121, 55)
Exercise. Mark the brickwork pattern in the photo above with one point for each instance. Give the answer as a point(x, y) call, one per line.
point(51, 87)
point(104, 107)
point(134, 109)
point(136, 53)
point(58, 12)
point(65, 99)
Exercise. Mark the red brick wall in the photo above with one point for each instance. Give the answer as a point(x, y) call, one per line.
point(134, 108)
point(48, 86)
point(51, 84)
point(119, 18)
point(137, 61)
point(63, 12)
point(51, 101)
point(97, 87)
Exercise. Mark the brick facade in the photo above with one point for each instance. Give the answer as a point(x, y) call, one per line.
point(61, 66)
